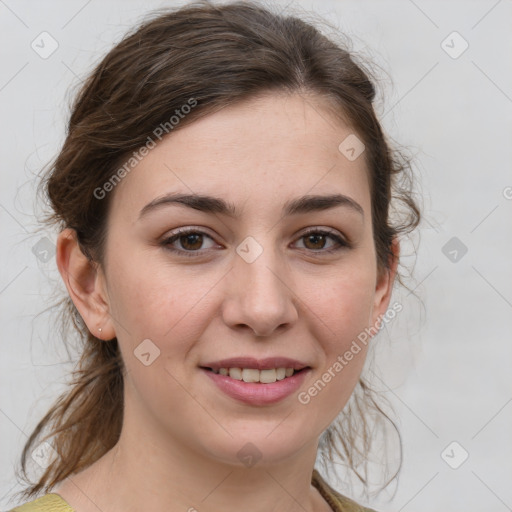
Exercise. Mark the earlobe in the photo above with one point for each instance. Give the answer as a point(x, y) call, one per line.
point(85, 284)
point(385, 282)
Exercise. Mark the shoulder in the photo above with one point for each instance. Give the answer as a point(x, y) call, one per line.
point(337, 501)
point(50, 502)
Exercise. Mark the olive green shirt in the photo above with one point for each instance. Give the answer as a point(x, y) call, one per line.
point(52, 502)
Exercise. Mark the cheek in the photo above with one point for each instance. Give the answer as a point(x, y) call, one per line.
point(160, 304)
point(343, 349)
point(340, 311)
point(342, 305)
point(165, 304)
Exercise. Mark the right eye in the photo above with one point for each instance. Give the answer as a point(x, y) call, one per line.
point(190, 240)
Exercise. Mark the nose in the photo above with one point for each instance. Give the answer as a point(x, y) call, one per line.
point(259, 296)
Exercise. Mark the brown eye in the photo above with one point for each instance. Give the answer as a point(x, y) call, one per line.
point(316, 241)
point(192, 241)
point(187, 242)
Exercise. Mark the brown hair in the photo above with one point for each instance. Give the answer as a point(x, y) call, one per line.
point(218, 56)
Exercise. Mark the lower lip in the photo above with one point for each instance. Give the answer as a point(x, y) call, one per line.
point(255, 393)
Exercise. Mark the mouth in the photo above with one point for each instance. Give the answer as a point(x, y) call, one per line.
point(257, 387)
point(254, 375)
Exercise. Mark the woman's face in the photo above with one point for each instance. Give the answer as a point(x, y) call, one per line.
point(247, 283)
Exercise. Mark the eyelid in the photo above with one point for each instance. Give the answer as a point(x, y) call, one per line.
point(342, 241)
point(324, 230)
point(179, 232)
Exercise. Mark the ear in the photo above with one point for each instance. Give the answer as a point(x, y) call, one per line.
point(384, 286)
point(85, 282)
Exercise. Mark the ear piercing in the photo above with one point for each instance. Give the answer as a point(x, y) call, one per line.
point(99, 329)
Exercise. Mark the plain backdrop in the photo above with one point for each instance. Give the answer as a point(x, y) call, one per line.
point(445, 361)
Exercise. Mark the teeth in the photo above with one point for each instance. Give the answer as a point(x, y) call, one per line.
point(235, 373)
point(250, 375)
point(253, 375)
point(281, 373)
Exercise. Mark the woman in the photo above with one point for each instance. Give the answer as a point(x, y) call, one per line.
point(223, 199)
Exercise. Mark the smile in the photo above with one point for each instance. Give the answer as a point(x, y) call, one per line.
point(254, 375)
point(257, 387)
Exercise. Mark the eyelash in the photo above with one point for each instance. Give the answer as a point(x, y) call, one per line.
point(343, 244)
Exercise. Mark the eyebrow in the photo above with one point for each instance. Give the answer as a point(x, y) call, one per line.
point(210, 204)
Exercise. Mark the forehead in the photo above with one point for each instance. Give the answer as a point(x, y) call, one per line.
point(263, 151)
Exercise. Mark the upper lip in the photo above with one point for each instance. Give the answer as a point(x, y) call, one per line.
point(258, 364)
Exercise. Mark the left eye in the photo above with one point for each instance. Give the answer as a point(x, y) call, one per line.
point(316, 236)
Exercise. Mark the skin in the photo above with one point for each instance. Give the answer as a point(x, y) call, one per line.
point(180, 437)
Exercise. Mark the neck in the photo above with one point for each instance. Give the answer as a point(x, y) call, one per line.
point(147, 471)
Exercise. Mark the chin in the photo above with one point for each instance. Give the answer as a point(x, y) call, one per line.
point(263, 446)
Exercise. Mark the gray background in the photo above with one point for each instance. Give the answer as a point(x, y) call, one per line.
point(444, 362)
